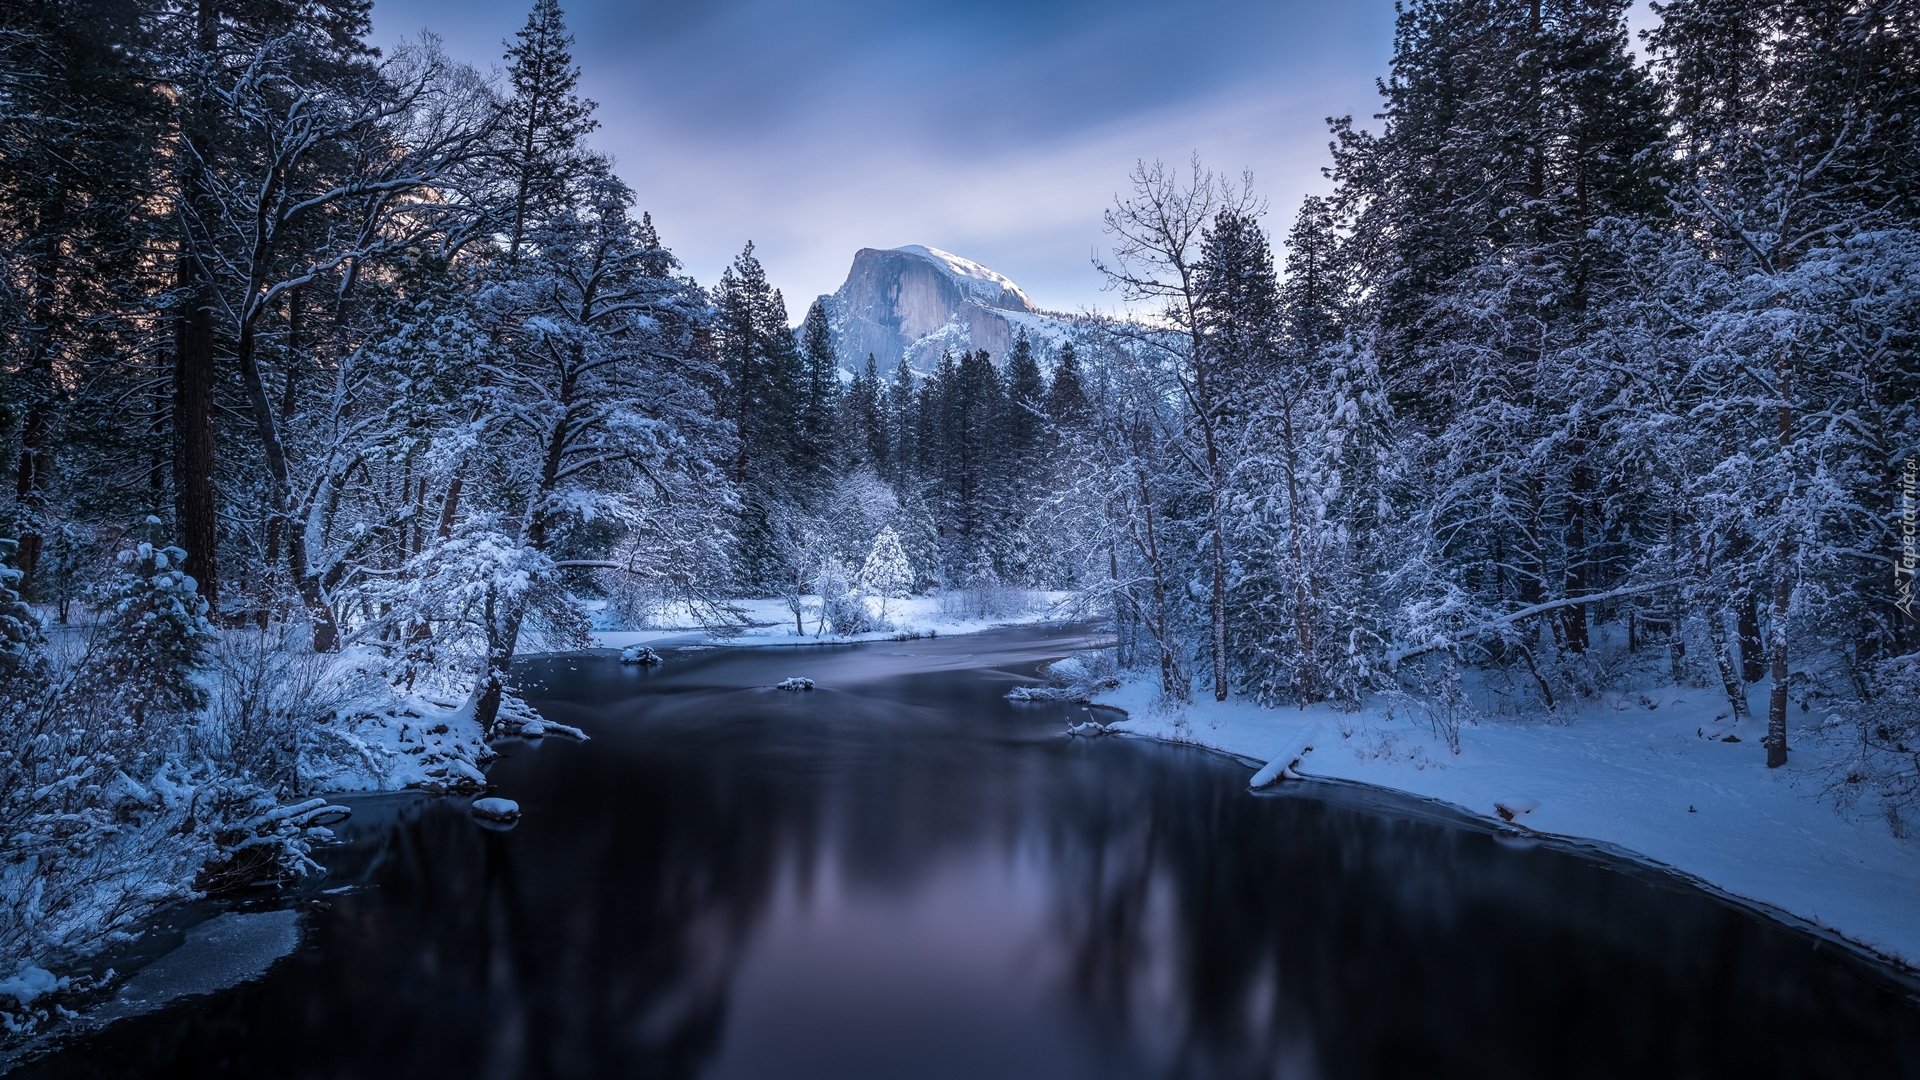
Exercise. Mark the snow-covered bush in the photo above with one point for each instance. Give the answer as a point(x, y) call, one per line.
point(457, 612)
point(151, 761)
point(1882, 766)
point(842, 610)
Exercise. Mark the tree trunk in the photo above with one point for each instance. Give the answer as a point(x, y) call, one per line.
point(1777, 700)
point(194, 522)
point(37, 444)
point(1219, 614)
point(1782, 587)
point(193, 437)
point(1723, 659)
point(1573, 619)
point(1753, 654)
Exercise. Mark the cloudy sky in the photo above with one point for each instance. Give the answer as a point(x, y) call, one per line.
point(996, 129)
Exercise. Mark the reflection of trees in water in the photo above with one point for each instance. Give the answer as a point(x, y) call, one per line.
point(1299, 937)
point(1197, 931)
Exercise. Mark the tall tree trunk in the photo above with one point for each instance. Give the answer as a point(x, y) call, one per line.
point(1573, 618)
point(194, 450)
point(1753, 654)
point(1782, 586)
point(37, 443)
point(193, 436)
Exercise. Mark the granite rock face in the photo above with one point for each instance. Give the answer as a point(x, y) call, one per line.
point(916, 302)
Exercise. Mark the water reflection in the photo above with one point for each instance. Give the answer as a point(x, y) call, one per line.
point(902, 875)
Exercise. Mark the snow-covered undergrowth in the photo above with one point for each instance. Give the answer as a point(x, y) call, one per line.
point(148, 757)
point(1658, 772)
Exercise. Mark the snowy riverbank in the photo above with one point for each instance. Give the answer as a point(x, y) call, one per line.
point(771, 622)
point(1627, 772)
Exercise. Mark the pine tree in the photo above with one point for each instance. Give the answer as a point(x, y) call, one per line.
point(155, 634)
point(1066, 395)
point(543, 122)
point(819, 403)
point(765, 388)
point(863, 420)
point(21, 664)
point(1314, 295)
point(1026, 411)
point(902, 427)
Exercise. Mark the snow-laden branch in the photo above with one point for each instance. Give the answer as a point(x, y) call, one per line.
point(1394, 656)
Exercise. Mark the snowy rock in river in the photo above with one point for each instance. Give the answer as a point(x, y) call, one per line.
point(1514, 807)
point(794, 684)
point(496, 809)
point(639, 654)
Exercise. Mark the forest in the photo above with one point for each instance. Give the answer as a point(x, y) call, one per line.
point(333, 378)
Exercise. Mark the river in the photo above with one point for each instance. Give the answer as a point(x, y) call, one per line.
point(902, 875)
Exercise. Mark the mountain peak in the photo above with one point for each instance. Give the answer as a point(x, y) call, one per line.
point(915, 302)
point(988, 286)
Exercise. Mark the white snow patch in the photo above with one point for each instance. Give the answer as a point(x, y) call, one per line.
point(29, 983)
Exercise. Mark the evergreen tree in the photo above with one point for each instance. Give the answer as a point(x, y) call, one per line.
point(819, 403)
point(155, 634)
point(903, 427)
point(863, 422)
point(543, 122)
point(21, 665)
point(1314, 294)
point(1025, 428)
point(765, 387)
point(1066, 395)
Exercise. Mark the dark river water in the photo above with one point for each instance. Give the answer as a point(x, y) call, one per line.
point(902, 875)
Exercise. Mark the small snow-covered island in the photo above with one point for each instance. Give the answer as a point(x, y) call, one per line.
point(1367, 615)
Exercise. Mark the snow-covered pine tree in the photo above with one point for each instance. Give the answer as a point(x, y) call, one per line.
point(886, 573)
point(1274, 513)
point(153, 635)
point(542, 123)
point(21, 664)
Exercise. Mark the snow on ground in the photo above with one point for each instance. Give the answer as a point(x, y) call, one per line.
point(1630, 773)
point(771, 622)
point(384, 738)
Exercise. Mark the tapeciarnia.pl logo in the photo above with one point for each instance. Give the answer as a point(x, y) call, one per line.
point(1903, 567)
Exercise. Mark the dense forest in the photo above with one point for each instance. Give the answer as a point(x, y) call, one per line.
point(1598, 354)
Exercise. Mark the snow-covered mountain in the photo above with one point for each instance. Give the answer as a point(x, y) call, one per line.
point(916, 302)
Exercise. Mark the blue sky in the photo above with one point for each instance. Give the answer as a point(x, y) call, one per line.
point(997, 130)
